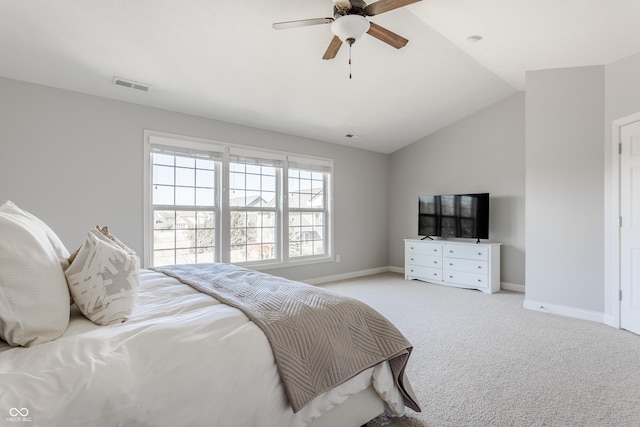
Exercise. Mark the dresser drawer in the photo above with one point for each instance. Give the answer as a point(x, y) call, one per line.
point(467, 265)
point(424, 248)
point(468, 279)
point(425, 273)
point(452, 250)
point(424, 260)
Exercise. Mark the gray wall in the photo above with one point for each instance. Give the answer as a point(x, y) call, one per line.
point(75, 160)
point(564, 190)
point(482, 153)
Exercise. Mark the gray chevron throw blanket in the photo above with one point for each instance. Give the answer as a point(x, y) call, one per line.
point(319, 338)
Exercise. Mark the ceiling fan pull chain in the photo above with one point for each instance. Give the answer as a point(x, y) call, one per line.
point(350, 60)
point(350, 41)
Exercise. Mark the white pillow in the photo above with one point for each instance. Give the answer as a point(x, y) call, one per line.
point(103, 279)
point(34, 298)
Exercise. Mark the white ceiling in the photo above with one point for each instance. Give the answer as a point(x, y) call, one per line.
point(222, 59)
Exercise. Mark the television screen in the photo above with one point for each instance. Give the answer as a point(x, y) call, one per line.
point(454, 215)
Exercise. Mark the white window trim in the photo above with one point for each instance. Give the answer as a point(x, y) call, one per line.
point(223, 222)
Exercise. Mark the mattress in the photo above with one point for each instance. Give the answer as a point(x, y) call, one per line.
point(182, 358)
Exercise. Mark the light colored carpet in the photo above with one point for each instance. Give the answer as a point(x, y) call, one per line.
point(483, 360)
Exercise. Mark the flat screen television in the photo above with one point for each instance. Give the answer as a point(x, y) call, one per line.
point(454, 215)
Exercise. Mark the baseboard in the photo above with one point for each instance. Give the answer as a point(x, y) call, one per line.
point(396, 270)
point(562, 310)
point(610, 320)
point(505, 286)
point(346, 276)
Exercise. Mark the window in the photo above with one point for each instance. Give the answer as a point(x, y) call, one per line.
point(254, 208)
point(183, 205)
point(307, 207)
point(212, 202)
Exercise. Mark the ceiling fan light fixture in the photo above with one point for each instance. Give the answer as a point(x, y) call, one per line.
point(350, 27)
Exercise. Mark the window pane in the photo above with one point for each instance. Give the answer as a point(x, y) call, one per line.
point(294, 200)
point(268, 183)
point(268, 170)
point(185, 239)
point(236, 180)
point(205, 196)
point(205, 255)
point(163, 159)
point(164, 239)
point(305, 184)
point(268, 198)
point(185, 196)
point(164, 257)
point(164, 220)
point(236, 167)
point(162, 195)
point(184, 161)
point(205, 219)
point(252, 169)
point(163, 175)
point(238, 253)
point(205, 178)
point(237, 198)
point(185, 256)
point(185, 177)
point(268, 219)
point(205, 164)
point(253, 182)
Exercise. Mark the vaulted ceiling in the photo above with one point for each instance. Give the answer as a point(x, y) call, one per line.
point(223, 60)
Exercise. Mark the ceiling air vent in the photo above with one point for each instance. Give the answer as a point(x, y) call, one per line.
point(117, 81)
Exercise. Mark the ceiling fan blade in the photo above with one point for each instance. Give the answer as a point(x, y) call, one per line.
point(382, 6)
point(333, 48)
point(389, 37)
point(301, 23)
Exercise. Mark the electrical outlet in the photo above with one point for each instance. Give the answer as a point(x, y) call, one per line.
point(337, 258)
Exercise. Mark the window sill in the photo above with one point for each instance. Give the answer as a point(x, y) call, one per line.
point(280, 264)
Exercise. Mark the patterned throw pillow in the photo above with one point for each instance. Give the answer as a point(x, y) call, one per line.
point(103, 279)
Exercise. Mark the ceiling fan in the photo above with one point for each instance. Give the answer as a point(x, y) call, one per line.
point(349, 23)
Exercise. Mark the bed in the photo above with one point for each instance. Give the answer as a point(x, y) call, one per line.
point(181, 357)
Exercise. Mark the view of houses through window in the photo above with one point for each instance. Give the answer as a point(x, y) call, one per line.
point(201, 214)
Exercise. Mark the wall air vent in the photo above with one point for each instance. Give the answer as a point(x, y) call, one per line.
point(117, 81)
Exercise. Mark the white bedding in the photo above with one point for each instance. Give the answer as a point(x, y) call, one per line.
point(182, 359)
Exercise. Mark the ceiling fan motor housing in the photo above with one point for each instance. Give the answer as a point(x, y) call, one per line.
point(357, 8)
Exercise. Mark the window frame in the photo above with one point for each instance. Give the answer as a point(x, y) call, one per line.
point(222, 224)
point(326, 181)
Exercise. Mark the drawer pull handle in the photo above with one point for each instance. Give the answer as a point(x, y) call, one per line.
point(451, 263)
point(411, 247)
point(412, 259)
point(479, 253)
point(450, 277)
point(480, 267)
point(480, 280)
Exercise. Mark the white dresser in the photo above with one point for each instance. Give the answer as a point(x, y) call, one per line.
point(465, 265)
